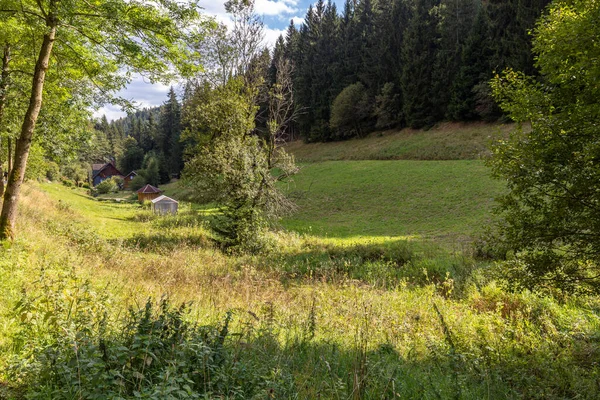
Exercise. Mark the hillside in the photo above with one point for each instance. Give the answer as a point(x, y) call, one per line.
point(447, 141)
point(392, 198)
point(314, 319)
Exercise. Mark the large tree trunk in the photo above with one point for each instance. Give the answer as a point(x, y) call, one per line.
point(9, 151)
point(3, 91)
point(17, 174)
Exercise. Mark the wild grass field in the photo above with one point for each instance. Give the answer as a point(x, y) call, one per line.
point(356, 300)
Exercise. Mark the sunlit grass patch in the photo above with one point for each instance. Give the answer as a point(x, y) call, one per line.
point(447, 200)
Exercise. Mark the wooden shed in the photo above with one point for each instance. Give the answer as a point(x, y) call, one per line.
point(148, 192)
point(163, 205)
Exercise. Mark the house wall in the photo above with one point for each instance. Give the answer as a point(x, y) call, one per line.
point(106, 173)
point(165, 208)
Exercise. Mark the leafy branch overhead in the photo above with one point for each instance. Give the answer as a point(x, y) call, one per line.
point(95, 47)
point(551, 213)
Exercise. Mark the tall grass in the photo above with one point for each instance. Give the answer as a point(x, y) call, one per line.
point(303, 322)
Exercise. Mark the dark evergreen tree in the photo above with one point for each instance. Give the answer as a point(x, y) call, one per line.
point(475, 69)
point(455, 21)
point(169, 133)
point(132, 158)
point(418, 55)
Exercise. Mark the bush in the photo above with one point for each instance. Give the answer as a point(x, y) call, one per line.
point(67, 182)
point(69, 347)
point(52, 171)
point(138, 182)
point(117, 180)
point(349, 112)
point(106, 186)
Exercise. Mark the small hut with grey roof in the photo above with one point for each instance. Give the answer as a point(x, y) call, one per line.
point(148, 192)
point(164, 205)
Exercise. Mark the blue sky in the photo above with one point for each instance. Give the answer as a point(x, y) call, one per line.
point(276, 15)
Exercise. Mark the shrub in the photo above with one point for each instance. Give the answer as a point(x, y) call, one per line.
point(106, 186)
point(349, 112)
point(67, 182)
point(118, 181)
point(52, 171)
point(138, 182)
point(69, 347)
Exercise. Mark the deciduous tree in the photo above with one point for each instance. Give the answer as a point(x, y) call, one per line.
point(551, 213)
point(100, 43)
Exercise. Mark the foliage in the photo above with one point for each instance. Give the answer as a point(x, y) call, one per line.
point(107, 186)
point(550, 216)
point(77, 172)
point(233, 167)
point(349, 112)
point(38, 164)
point(69, 346)
point(138, 182)
point(168, 137)
point(133, 156)
point(386, 107)
point(52, 171)
point(433, 52)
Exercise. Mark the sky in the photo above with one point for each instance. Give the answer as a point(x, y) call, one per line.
point(276, 15)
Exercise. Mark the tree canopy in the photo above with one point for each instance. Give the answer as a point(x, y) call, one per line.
point(551, 217)
point(93, 47)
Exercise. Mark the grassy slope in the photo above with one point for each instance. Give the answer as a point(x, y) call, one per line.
point(449, 141)
point(337, 314)
point(330, 329)
point(392, 198)
point(110, 220)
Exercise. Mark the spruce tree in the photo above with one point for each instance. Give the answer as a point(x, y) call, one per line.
point(418, 55)
point(169, 134)
point(474, 69)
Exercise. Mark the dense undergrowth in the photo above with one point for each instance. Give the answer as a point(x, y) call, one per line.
point(92, 308)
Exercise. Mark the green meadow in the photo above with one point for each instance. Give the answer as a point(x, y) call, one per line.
point(426, 199)
point(370, 290)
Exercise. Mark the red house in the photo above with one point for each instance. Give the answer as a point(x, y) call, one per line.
point(128, 178)
point(102, 172)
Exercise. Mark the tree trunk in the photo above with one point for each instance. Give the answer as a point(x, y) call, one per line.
point(3, 91)
point(10, 158)
point(17, 174)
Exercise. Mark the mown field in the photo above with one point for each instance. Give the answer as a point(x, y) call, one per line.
point(432, 199)
point(448, 141)
point(371, 292)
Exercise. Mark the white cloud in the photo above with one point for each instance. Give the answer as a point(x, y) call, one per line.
point(298, 21)
point(262, 7)
point(271, 36)
point(274, 7)
point(141, 92)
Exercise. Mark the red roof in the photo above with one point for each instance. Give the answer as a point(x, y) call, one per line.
point(149, 189)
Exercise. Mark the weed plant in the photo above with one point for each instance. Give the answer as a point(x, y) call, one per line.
point(318, 318)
